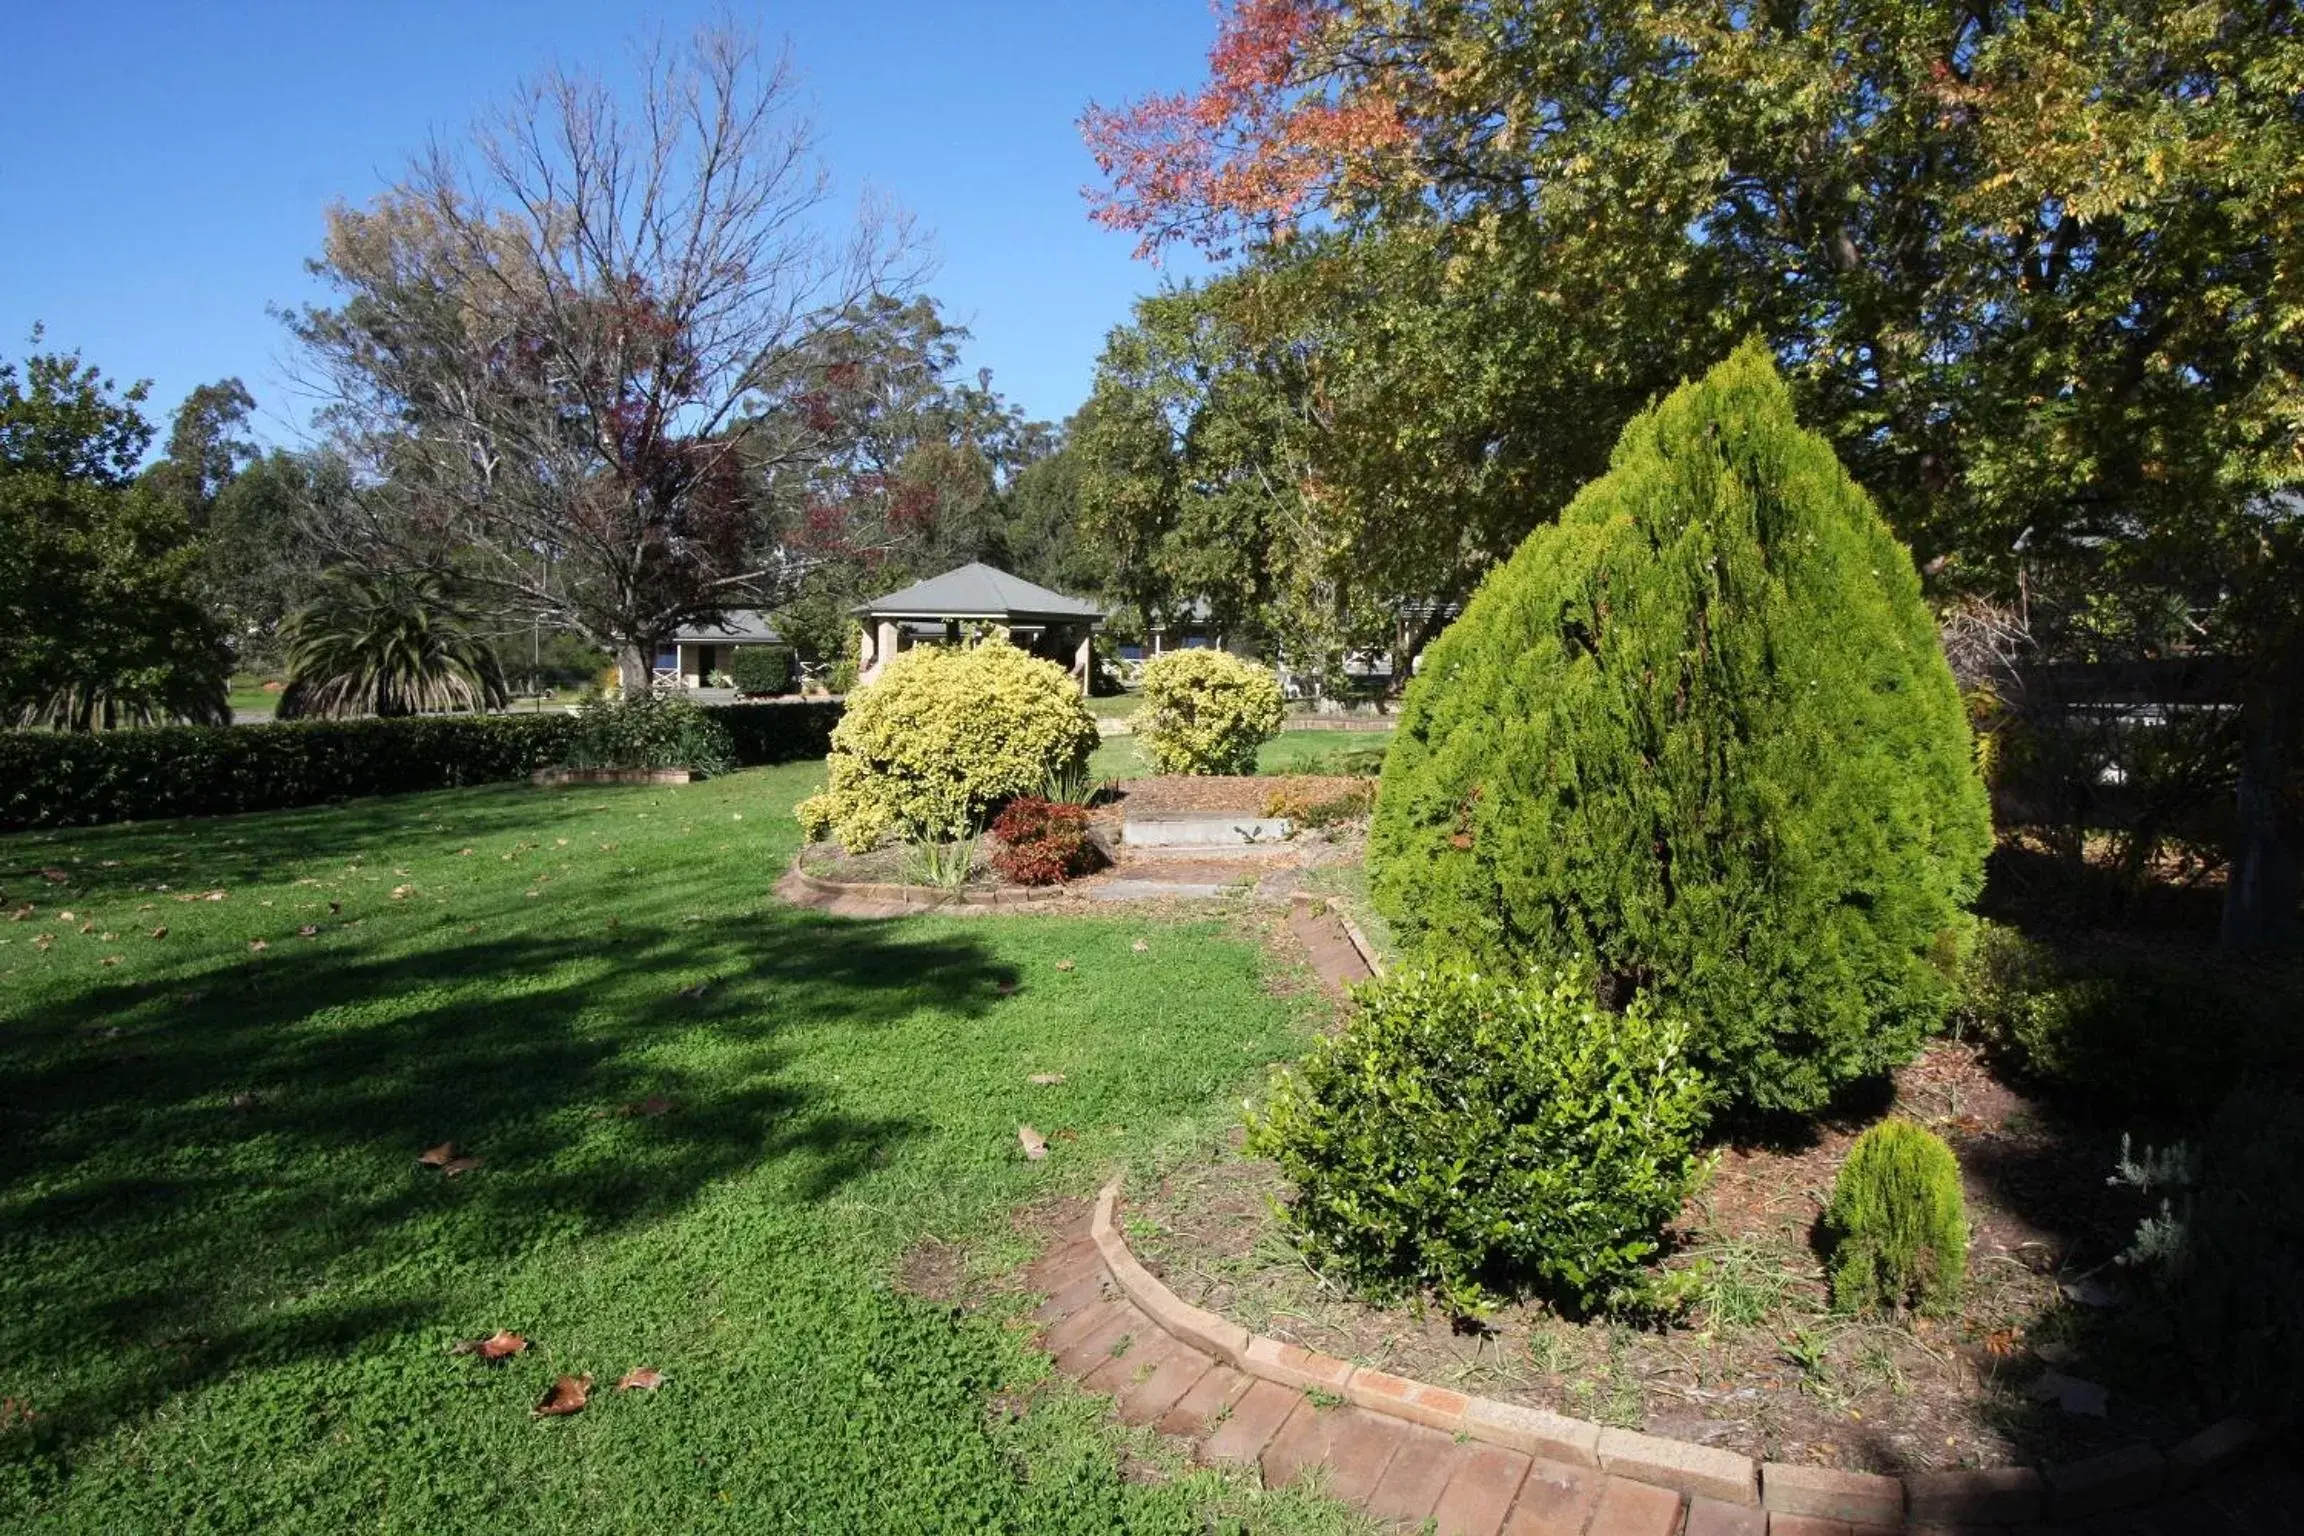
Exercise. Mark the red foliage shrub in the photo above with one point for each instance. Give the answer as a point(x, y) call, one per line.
point(1042, 842)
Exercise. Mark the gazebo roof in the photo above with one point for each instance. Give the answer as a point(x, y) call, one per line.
point(980, 591)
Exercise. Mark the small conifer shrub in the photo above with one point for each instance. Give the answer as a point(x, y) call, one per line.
point(1207, 712)
point(1898, 1225)
point(1702, 732)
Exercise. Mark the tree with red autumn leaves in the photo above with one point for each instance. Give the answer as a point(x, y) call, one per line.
point(2032, 269)
point(571, 357)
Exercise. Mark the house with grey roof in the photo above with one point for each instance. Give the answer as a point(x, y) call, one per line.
point(691, 657)
point(976, 602)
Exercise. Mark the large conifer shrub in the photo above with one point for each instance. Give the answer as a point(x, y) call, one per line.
point(1700, 738)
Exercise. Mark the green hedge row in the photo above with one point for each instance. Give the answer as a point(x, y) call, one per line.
point(56, 779)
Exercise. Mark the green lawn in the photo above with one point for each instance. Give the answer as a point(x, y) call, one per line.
point(228, 1294)
point(1338, 752)
point(248, 692)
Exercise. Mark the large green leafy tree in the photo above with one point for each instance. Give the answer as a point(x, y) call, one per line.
point(2032, 268)
point(1699, 736)
point(100, 620)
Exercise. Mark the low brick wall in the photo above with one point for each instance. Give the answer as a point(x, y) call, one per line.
point(2000, 1496)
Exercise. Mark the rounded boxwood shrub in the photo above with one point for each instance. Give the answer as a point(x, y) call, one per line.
point(941, 739)
point(650, 730)
point(1702, 732)
point(1206, 712)
point(1898, 1225)
point(1478, 1136)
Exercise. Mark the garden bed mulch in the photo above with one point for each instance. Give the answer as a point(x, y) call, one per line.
point(1245, 795)
point(1759, 1364)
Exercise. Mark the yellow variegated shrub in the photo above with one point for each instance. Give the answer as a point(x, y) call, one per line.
point(1206, 712)
point(942, 738)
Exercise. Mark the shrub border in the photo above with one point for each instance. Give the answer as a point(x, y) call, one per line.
point(2003, 1496)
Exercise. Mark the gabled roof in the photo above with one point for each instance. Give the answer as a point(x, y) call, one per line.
point(980, 591)
point(738, 626)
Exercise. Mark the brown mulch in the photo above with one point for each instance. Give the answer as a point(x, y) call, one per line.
point(1759, 1364)
point(1242, 795)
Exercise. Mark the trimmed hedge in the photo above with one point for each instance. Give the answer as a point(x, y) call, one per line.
point(60, 779)
point(761, 669)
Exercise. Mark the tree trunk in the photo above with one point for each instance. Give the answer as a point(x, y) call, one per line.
point(2267, 874)
point(635, 669)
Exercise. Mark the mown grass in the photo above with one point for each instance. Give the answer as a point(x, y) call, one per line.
point(228, 1294)
point(1335, 752)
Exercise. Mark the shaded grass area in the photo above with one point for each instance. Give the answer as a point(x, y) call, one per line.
point(1335, 753)
point(708, 1125)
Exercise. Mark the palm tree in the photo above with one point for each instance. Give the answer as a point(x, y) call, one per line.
point(394, 644)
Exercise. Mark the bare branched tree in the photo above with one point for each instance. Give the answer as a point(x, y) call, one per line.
point(570, 352)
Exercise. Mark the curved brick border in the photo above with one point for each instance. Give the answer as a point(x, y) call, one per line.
point(555, 778)
point(804, 889)
point(1785, 1495)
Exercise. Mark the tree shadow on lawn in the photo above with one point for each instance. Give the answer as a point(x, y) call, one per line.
point(246, 848)
point(159, 1235)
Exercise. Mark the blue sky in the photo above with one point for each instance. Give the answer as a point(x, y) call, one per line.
point(167, 164)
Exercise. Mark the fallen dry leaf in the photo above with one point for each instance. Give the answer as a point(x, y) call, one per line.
point(258, 944)
point(88, 927)
point(20, 913)
point(457, 1165)
point(42, 942)
point(1045, 1079)
point(433, 1157)
point(1035, 1144)
point(308, 931)
point(244, 1101)
point(2000, 1343)
point(500, 1345)
point(1064, 965)
point(112, 959)
point(160, 932)
point(568, 1395)
point(67, 917)
point(403, 892)
point(645, 1379)
point(647, 1108)
point(1140, 946)
point(693, 992)
point(109, 937)
point(335, 907)
point(55, 876)
point(463, 853)
point(210, 896)
point(1007, 987)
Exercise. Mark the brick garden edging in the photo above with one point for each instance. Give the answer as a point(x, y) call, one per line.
point(1729, 1492)
point(804, 889)
point(555, 778)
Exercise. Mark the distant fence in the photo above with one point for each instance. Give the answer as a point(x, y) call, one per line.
point(2120, 746)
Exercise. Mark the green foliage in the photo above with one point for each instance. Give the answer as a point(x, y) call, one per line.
point(51, 779)
point(1702, 732)
point(652, 729)
point(2226, 1248)
point(761, 669)
point(745, 1242)
point(100, 619)
point(1206, 712)
point(1480, 1135)
point(842, 679)
point(1897, 1225)
point(55, 780)
point(2129, 1028)
point(384, 645)
point(942, 738)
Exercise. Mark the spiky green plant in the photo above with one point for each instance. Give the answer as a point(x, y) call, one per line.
point(1898, 1224)
point(392, 644)
point(1700, 739)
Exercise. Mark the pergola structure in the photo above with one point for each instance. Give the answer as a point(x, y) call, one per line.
point(973, 602)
